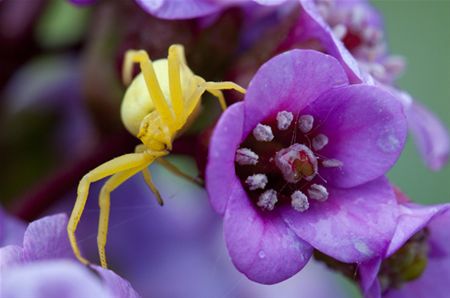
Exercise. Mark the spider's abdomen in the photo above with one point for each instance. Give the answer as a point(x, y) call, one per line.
point(137, 102)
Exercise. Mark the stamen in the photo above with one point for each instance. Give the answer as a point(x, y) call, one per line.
point(263, 133)
point(296, 162)
point(256, 181)
point(318, 192)
point(339, 31)
point(372, 35)
point(332, 163)
point(245, 156)
point(284, 120)
point(305, 123)
point(357, 16)
point(299, 201)
point(319, 142)
point(267, 200)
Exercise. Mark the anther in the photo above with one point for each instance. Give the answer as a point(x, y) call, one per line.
point(305, 123)
point(263, 133)
point(319, 142)
point(299, 201)
point(332, 163)
point(268, 199)
point(318, 192)
point(245, 156)
point(256, 181)
point(357, 16)
point(284, 120)
point(339, 31)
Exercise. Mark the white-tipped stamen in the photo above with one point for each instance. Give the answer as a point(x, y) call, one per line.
point(357, 16)
point(318, 192)
point(319, 142)
point(299, 201)
point(332, 163)
point(339, 31)
point(305, 123)
point(267, 200)
point(256, 181)
point(245, 156)
point(394, 64)
point(284, 120)
point(263, 133)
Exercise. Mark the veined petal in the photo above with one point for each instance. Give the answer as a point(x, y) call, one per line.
point(261, 245)
point(289, 81)
point(411, 219)
point(353, 225)
point(366, 128)
point(46, 238)
point(220, 173)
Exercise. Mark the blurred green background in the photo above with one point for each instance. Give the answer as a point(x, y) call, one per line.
point(418, 30)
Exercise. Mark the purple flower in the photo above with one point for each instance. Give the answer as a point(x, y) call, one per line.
point(44, 266)
point(187, 9)
point(417, 263)
point(300, 164)
point(366, 60)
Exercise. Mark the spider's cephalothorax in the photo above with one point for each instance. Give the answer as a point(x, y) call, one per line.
point(158, 104)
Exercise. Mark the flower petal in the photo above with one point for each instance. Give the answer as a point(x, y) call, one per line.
point(176, 9)
point(289, 81)
point(11, 229)
point(52, 279)
point(368, 272)
point(366, 129)
point(46, 238)
point(430, 135)
point(9, 256)
point(353, 225)
point(411, 219)
point(220, 173)
point(312, 25)
point(260, 244)
point(116, 284)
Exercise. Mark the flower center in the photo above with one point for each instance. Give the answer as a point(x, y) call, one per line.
point(279, 162)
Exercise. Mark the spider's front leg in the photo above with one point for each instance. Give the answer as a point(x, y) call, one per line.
point(104, 199)
point(215, 88)
point(116, 165)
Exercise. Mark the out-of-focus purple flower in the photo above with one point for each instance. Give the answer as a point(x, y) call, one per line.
point(360, 28)
point(52, 86)
point(430, 135)
point(44, 266)
point(11, 230)
point(186, 9)
point(417, 263)
point(82, 2)
point(300, 164)
point(362, 51)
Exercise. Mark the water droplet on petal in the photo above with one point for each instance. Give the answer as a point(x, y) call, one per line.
point(261, 254)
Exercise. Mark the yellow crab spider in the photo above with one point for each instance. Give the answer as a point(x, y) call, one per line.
point(159, 103)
